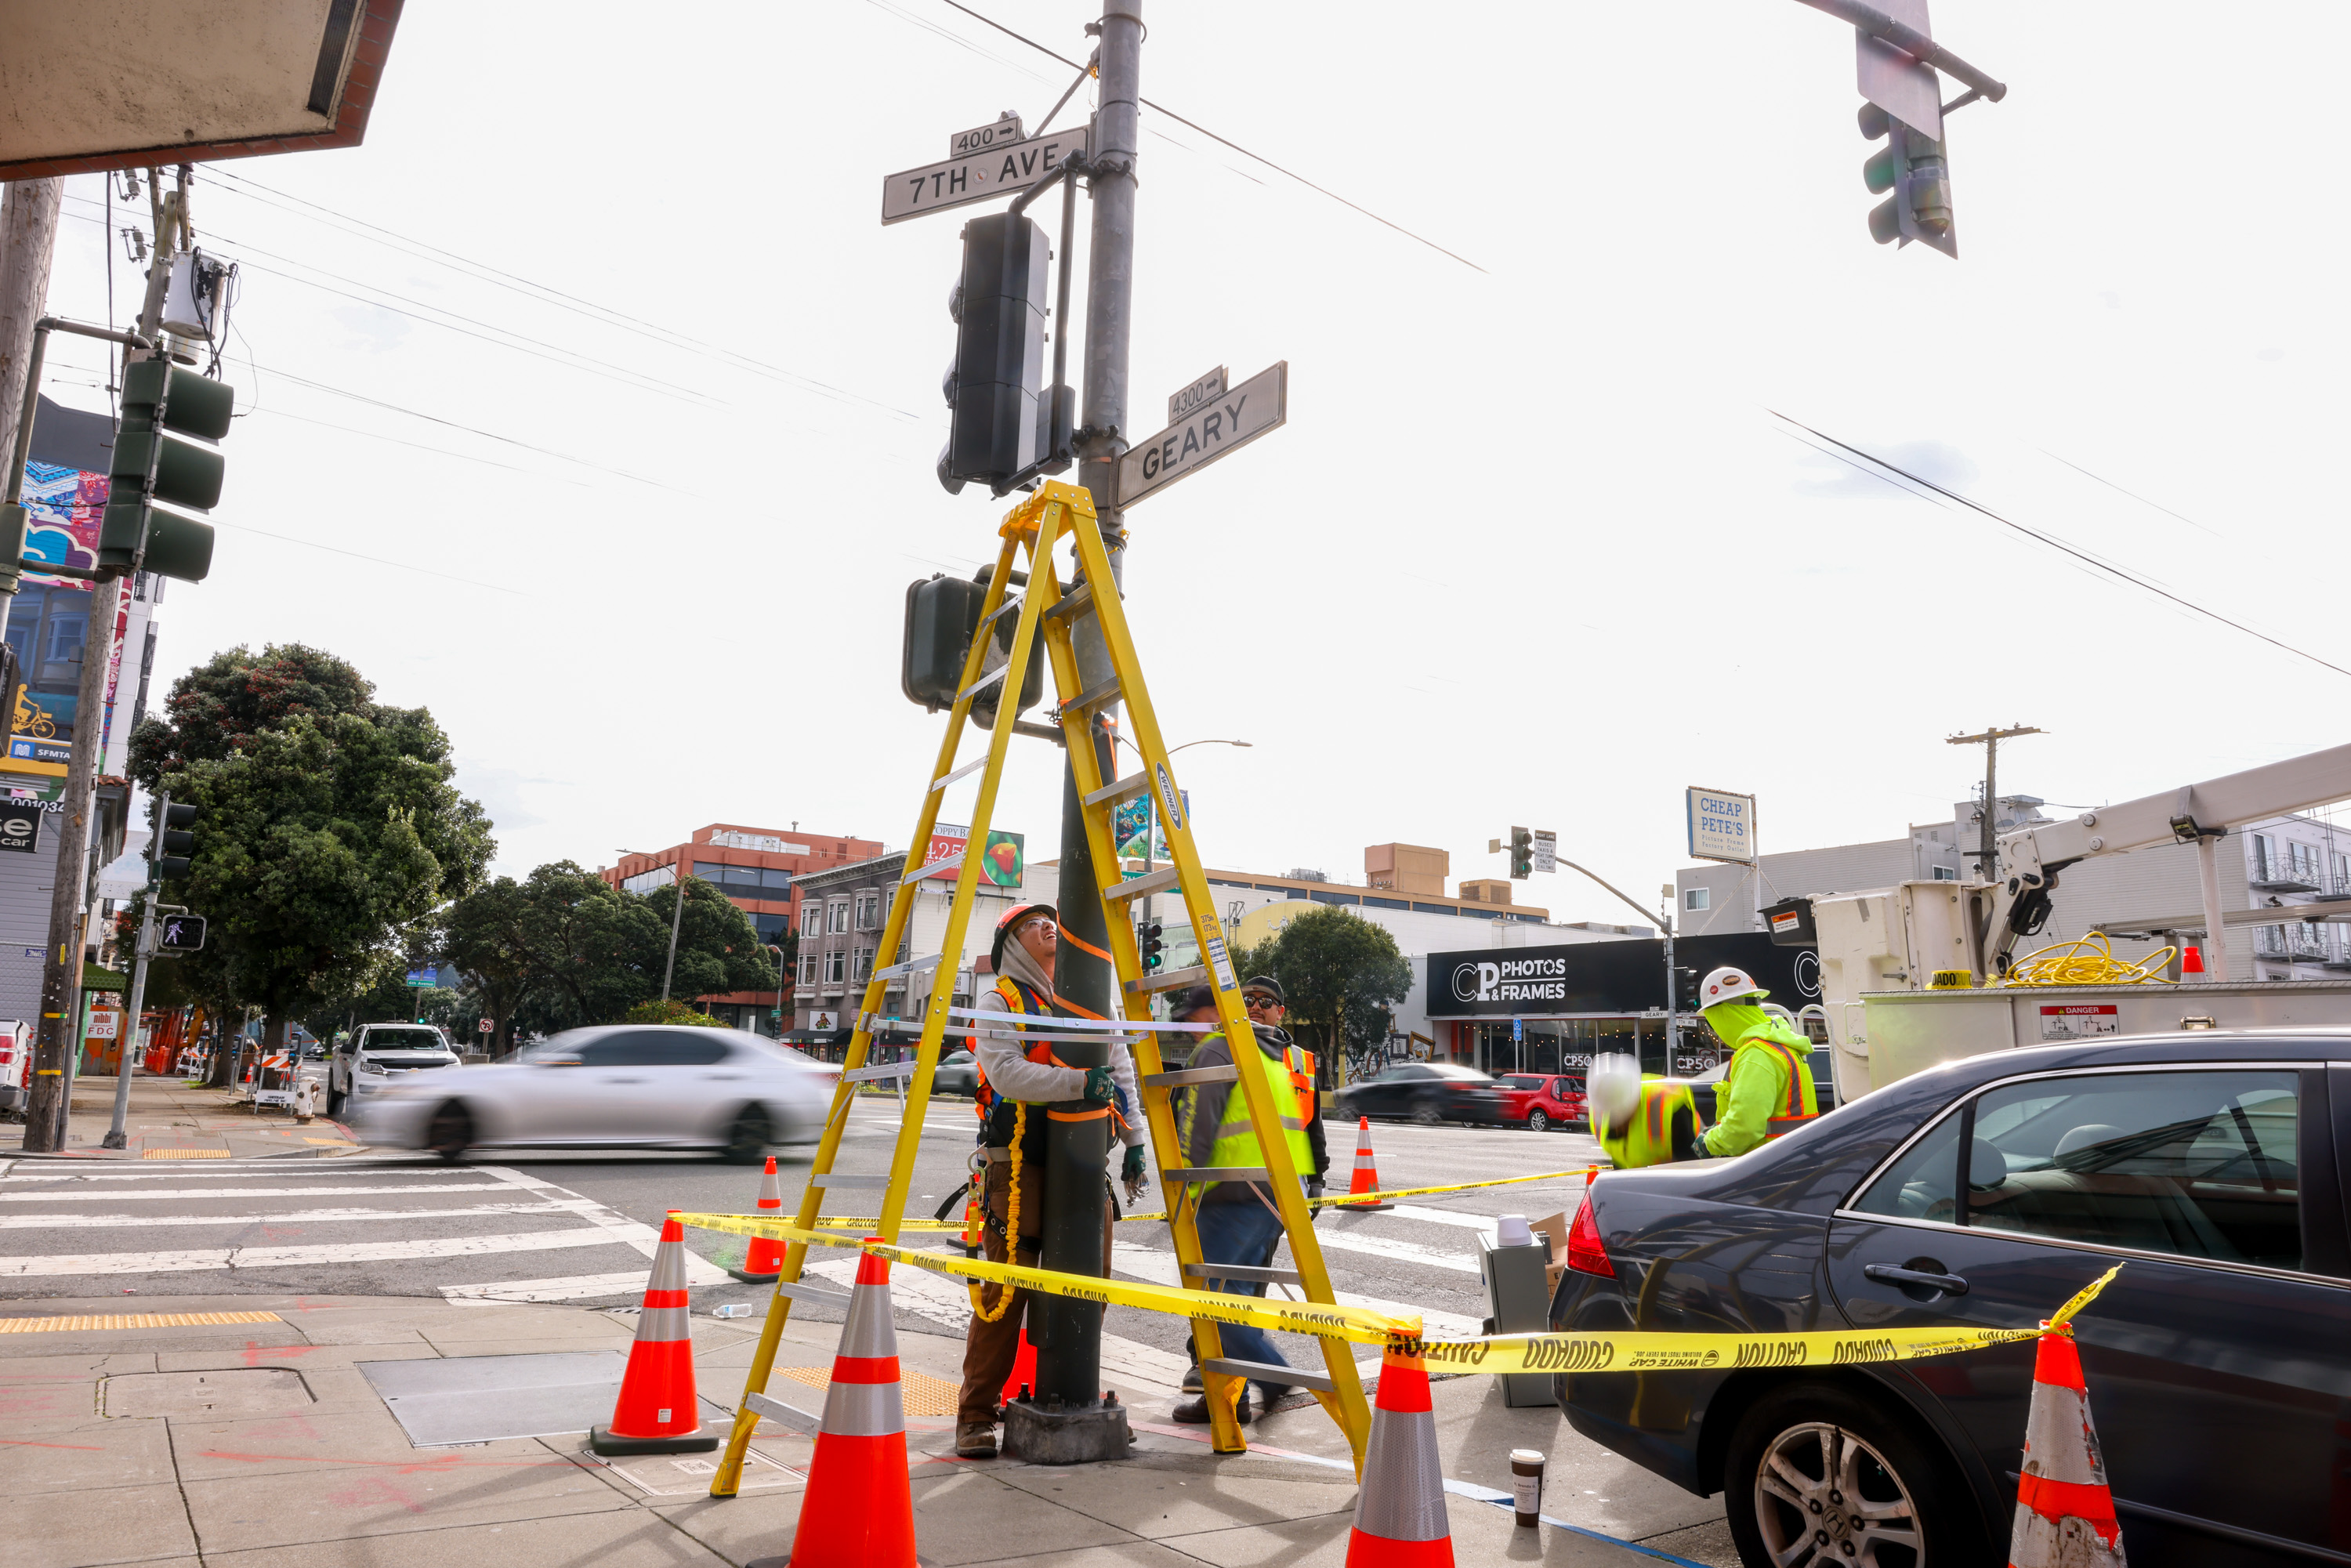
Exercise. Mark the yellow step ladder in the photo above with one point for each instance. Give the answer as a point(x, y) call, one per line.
point(1050, 606)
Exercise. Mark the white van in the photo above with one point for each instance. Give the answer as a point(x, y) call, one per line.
point(378, 1054)
point(15, 1066)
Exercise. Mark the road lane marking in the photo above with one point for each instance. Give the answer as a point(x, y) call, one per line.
point(292, 1217)
point(1157, 1268)
point(1402, 1251)
point(187, 1194)
point(568, 1288)
point(1443, 1217)
point(281, 1170)
point(699, 1271)
point(196, 1260)
point(925, 1295)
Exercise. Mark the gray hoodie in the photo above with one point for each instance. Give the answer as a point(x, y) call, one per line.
point(1010, 1073)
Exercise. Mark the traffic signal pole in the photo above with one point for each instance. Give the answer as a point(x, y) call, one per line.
point(115, 1133)
point(1069, 1355)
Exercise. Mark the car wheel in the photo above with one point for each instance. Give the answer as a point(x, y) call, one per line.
point(1425, 1113)
point(336, 1099)
point(1537, 1122)
point(747, 1139)
point(451, 1132)
point(1814, 1476)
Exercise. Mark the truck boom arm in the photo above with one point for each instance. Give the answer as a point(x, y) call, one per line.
point(2198, 814)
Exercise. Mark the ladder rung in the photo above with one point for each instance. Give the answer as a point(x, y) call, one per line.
point(1132, 784)
point(1078, 602)
point(910, 966)
point(1178, 1174)
point(887, 1069)
point(1266, 1372)
point(940, 783)
point(1169, 980)
point(815, 1295)
point(933, 868)
point(1143, 884)
point(1227, 1073)
point(784, 1415)
point(1242, 1271)
point(1009, 607)
point(834, 1179)
point(1093, 697)
point(985, 681)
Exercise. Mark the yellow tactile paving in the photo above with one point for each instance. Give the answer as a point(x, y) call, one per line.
point(131, 1321)
point(923, 1396)
point(185, 1155)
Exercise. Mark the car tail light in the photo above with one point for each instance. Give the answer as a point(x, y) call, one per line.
point(1585, 1255)
point(7, 1054)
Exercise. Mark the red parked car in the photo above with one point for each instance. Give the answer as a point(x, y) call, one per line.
point(1542, 1102)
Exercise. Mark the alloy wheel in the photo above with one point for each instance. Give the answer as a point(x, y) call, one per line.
point(1823, 1496)
point(1537, 1122)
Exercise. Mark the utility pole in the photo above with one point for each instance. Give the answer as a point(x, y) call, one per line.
point(117, 1135)
point(1987, 858)
point(29, 240)
point(1069, 1351)
point(56, 1037)
point(676, 916)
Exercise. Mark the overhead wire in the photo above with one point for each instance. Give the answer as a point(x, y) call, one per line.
point(1223, 140)
point(1870, 464)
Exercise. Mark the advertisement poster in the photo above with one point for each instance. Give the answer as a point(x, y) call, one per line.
point(1131, 819)
point(1002, 860)
point(64, 507)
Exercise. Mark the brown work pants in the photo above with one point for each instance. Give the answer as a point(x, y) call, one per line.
point(991, 1348)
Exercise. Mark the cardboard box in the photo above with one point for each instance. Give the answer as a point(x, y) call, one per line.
point(1553, 1228)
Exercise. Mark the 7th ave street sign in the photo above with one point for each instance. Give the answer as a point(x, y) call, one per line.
point(1000, 171)
point(1225, 423)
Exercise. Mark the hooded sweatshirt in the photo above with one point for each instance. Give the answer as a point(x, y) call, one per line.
point(1757, 1085)
point(1010, 1073)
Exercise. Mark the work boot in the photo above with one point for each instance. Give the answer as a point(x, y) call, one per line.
point(1195, 1412)
point(975, 1440)
point(1192, 1381)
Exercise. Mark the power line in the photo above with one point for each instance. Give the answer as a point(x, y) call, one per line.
point(400, 565)
point(1196, 125)
point(1873, 463)
point(544, 293)
point(2142, 500)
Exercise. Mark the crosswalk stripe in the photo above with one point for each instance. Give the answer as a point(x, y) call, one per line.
point(1441, 1217)
point(195, 1258)
point(568, 1288)
point(1402, 1251)
point(283, 1170)
point(292, 1217)
point(186, 1193)
point(1161, 1268)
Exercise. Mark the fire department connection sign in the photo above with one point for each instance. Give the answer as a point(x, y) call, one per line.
point(1721, 826)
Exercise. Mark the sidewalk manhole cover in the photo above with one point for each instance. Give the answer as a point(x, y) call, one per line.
point(480, 1398)
point(254, 1391)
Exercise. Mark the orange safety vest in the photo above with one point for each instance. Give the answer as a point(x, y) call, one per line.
point(1802, 1105)
point(1301, 1079)
point(1024, 999)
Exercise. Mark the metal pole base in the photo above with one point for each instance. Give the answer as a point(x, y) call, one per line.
point(1059, 1434)
point(113, 1141)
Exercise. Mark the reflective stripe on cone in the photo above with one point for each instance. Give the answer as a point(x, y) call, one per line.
point(859, 1509)
point(2064, 1510)
point(1400, 1519)
point(657, 1411)
point(1367, 1171)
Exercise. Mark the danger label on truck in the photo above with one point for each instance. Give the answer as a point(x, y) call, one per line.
point(2079, 1020)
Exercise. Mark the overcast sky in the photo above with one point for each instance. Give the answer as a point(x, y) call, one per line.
point(1531, 548)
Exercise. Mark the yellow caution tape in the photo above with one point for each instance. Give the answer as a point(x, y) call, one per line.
point(1498, 1355)
point(870, 1222)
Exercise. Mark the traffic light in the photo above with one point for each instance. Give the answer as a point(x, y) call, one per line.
point(180, 934)
point(152, 466)
point(173, 846)
point(942, 617)
point(1150, 939)
point(1522, 854)
point(1911, 165)
point(1001, 421)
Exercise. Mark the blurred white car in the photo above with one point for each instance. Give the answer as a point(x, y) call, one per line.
point(617, 1086)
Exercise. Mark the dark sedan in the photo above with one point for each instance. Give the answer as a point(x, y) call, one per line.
point(1984, 1193)
point(1424, 1092)
point(957, 1073)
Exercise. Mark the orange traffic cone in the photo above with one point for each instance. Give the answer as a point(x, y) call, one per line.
point(765, 1259)
point(859, 1509)
point(2064, 1512)
point(658, 1412)
point(1400, 1519)
point(1024, 1368)
point(2192, 960)
point(1367, 1171)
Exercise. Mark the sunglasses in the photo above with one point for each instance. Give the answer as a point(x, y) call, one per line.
point(1259, 1001)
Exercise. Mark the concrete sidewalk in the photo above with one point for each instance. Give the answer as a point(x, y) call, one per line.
point(168, 1120)
point(284, 1454)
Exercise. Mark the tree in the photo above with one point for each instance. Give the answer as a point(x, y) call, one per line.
point(237, 694)
point(325, 840)
point(485, 935)
point(1341, 974)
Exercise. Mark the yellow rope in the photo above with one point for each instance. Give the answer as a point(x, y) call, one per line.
point(2078, 964)
point(1011, 1218)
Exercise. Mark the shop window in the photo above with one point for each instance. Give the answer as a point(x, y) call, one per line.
point(1697, 898)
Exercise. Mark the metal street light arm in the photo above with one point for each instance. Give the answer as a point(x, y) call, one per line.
point(1912, 42)
point(1665, 920)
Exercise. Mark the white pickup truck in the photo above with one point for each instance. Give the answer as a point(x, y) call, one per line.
point(379, 1053)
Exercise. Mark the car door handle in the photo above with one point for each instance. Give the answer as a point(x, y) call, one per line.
point(1888, 1274)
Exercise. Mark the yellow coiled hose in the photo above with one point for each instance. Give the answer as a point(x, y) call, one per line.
point(2077, 963)
point(1011, 1217)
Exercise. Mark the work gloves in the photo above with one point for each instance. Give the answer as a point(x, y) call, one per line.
point(1131, 1174)
point(1100, 1088)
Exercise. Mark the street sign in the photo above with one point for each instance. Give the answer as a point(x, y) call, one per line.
point(1229, 422)
point(427, 977)
point(1546, 850)
point(1721, 826)
point(180, 934)
point(1906, 88)
point(977, 176)
point(20, 829)
point(1518, 1030)
point(1211, 385)
point(986, 138)
point(482, 1027)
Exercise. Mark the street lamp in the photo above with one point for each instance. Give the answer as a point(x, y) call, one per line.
point(676, 913)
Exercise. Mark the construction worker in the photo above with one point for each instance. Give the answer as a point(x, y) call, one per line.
point(1262, 996)
point(1769, 1089)
point(1641, 1120)
point(1022, 1084)
point(1237, 1220)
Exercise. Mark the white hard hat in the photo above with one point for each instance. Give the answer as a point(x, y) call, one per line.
point(1728, 983)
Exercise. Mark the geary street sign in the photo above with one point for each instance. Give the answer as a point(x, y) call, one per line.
point(1211, 385)
point(982, 176)
point(1228, 422)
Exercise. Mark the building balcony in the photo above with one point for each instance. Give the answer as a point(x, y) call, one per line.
point(2280, 877)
